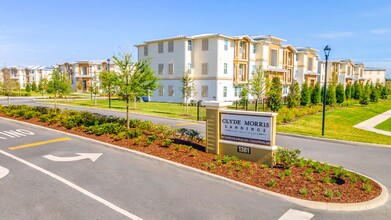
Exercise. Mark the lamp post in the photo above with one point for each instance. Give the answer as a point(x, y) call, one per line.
point(326, 54)
point(108, 70)
point(91, 80)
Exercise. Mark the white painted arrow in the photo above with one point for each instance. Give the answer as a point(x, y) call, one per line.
point(91, 156)
point(3, 172)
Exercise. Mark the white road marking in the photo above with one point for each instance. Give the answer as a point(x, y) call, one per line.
point(3, 172)
point(293, 214)
point(74, 186)
point(91, 156)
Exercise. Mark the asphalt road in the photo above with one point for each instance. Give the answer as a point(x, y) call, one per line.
point(155, 190)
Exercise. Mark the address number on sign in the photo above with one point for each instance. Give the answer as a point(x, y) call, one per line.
point(244, 150)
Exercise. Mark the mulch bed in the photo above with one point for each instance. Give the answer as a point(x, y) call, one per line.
point(255, 174)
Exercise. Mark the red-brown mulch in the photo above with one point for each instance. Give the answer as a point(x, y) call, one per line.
point(247, 172)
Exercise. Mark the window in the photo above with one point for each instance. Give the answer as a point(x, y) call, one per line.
point(225, 92)
point(205, 69)
point(240, 47)
point(254, 68)
point(99, 67)
point(254, 48)
point(225, 68)
point(170, 90)
point(189, 67)
point(84, 70)
point(240, 72)
point(205, 44)
point(189, 45)
point(171, 46)
point(225, 44)
point(310, 64)
point(146, 50)
point(204, 91)
point(237, 91)
point(297, 57)
point(160, 47)
point(161, 90)
point(161, 68)
point(170, 68)
point(273, 57)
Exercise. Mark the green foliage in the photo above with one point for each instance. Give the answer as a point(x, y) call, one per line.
point(338, 194)
point(28, 87)
point(340, 93)
point(367, 187)
point(191, 134)
point(58, 85)
point(316, 94)
point(287, 157)
point(330, 96)
point(34, 87)
point(151, 139)
point(375, 94)
point(348, 91)
point(305, 94)
point(384, 92)
point(326, 179)
point(364, 99)
point(244, 95)
point(303, 191)
point(212, 166)
point(274, 101)
point(293, 98)
point(357, 90)
point(272, 183)
point(167, 142)
point(257, 85)
point(329, 193)
point(130, 134)
point(188, 88)
point(106, 128)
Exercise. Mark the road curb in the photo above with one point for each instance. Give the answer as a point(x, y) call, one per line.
point(374, 203)
point(334, 140)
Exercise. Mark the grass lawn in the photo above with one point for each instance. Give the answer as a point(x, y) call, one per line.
point(340, 122)
point(385, 125)
point(170, 110)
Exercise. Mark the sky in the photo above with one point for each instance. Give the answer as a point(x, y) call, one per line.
point(47, 32)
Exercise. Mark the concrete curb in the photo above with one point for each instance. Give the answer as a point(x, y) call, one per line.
point(334, 140)
point(376, 202)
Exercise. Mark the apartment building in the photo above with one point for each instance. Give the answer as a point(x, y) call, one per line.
point(84, 73)
point(307, 66)
point(375, 75)
point(220, 65)
point(26, 75)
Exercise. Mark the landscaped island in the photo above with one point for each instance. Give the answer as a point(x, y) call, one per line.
point(292, 175)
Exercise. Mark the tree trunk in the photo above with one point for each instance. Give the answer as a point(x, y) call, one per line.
point(127, 112)
point(55, 100)
point(8, 99)
point(187, 110)
point(256, 104)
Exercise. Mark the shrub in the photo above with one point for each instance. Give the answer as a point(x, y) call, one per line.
point(305, 94)
point(315, 94)
point(329, 193)
point(330, 95)
point(374, 97)
point(293, 98)
point(348, 91)
point(106, 128)
point(28, 87)
point(287, 157)
point(272, 183)
point(274, 101)
point(340, 93)
point(119, 136)
point(303, 191)
point(338, 194)
point(167, 142)
point(212, 166)
point(130, 134)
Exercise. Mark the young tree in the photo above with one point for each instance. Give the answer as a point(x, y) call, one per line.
point(244, 96)
point(330, 95)
point(28, 87)
point(340, 93)
point(384, 92)
point(348, 91)
point(9, 85)
point(257, 85)
point(58, 85)
point(293, 98)
point(108, 82)
point(136, 79)
point(305, 94)
point(34, 87)
point(374, 97)
point(364, 99)
point(274, 101)
point(187, 89)
point(357, 90)
point(316, 94)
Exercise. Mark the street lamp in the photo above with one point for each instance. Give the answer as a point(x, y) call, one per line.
point(326, 54)
point(108, 70)
point(91, 80)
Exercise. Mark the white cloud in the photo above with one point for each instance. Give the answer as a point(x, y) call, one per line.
point(380, 31)
point(335, 35)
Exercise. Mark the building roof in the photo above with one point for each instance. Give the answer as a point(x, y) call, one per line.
point(374, 69)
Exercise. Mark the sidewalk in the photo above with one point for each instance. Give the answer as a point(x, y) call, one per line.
point(372, 122)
